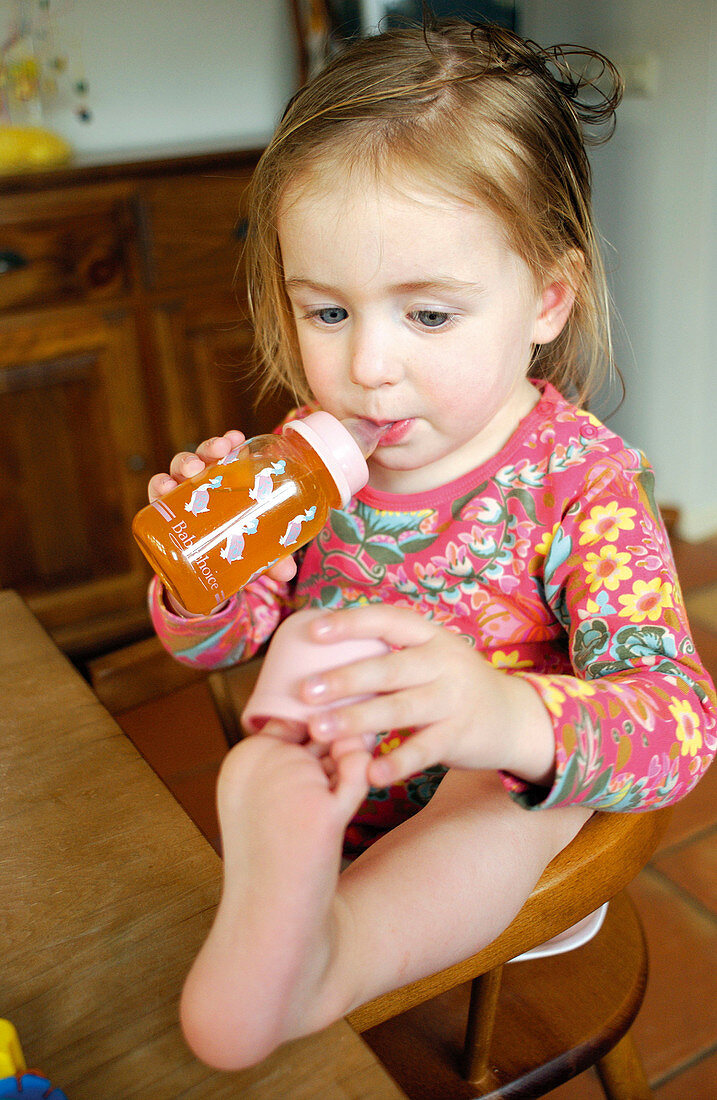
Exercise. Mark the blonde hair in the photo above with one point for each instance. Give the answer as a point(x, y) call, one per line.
point(477, 111)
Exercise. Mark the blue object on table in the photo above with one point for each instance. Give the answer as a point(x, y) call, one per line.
point(29, 1086)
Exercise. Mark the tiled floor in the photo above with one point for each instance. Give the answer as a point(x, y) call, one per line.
point(676, 894)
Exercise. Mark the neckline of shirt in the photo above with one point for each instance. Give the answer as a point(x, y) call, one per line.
point(452, 490)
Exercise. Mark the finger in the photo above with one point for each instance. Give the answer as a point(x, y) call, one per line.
point(397, 626)
point(283, 570)
point(345, 745)
point(350, 782)
point(389, 673)
point(417, 753)
point(159, 486)
point(219, 446)
point(416, 707)
point(185, 464)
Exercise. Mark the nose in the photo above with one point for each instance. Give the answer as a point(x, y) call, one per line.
point(374, 360)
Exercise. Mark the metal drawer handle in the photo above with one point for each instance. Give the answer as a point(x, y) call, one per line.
point(11, 261)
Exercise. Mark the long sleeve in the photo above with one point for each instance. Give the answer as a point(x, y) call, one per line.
point(635, 726)
point(231, 635)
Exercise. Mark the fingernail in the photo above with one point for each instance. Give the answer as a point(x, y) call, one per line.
point(324, 725)
point(322, 627)
point(315, 688)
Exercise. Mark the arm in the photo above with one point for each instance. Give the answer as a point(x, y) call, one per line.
point(635, 727)
point(632, 728)
point(235, 633)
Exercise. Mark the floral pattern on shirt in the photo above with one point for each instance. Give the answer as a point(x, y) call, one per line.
point(552, 560)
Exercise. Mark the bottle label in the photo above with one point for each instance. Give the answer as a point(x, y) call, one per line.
point(199, 538)
point(183, 540)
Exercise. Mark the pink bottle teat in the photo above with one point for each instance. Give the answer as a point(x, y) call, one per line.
point(342, 445)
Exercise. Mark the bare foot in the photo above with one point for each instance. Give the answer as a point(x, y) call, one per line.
point(263, 973)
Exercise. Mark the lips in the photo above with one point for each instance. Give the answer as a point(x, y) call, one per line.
point(396, 431)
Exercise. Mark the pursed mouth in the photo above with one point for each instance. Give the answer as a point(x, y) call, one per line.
point(394, 431)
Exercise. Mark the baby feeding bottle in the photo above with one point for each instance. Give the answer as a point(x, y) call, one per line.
point(218, 530)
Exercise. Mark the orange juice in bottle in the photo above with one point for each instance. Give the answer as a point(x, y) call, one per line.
point(211, 535)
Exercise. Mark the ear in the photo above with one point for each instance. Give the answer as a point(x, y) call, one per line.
point(558, 297)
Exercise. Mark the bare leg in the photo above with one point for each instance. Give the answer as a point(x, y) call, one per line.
point(294, 946)
point(283, 822)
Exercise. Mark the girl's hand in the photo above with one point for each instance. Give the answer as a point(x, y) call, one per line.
point(187, 464)
point(465, 712)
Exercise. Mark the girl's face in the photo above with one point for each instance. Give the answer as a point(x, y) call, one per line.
point(411, 308)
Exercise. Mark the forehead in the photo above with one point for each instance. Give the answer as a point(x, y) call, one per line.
point(393, 213)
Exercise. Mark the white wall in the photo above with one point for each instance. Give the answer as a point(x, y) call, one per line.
point(163, 72)
point(655, 198)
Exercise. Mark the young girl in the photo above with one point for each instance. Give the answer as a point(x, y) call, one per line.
point(422, 255)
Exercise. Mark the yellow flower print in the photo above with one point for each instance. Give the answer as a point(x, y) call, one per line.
point(580, 689)
point(608, 569)
point(570, 688)
point(546, 541)
point(499, 659)
point(553, 698)
point(390, 744)
point(688, 728)
point(606, 522)
point(646, 600)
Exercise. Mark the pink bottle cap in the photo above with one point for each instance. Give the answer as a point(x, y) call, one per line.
point(338, 450)
point(293, 656)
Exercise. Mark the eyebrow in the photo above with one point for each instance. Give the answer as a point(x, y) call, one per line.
point(297, 282)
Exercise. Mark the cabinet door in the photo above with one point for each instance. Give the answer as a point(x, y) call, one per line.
point(75, 462)
point(208, 387)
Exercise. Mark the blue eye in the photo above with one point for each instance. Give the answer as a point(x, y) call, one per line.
point(332, 315)
point(430, 318)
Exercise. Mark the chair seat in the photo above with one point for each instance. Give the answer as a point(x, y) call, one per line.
point(556, 1016)
point(572, 937)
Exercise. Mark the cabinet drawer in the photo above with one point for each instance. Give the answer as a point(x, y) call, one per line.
point(194, 228)
point(65, 255)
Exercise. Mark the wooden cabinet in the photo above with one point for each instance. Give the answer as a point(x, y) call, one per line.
point(123, 338)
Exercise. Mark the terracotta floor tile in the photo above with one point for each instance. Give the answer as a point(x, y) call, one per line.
point(694, 814)
point(678, 1018)
point(178, 732)
point(697, 1082)
point(693, 866)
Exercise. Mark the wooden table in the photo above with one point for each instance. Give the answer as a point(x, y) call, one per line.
point(108, 890)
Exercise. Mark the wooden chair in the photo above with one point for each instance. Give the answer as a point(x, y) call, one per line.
point(485, 1027)
point(482, 1028)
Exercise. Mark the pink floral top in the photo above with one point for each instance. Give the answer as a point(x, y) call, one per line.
point(552, 560)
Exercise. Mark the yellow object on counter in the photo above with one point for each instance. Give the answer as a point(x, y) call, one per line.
point(26, 147)
point(12, 1060)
